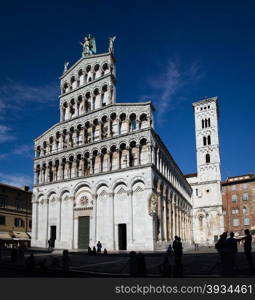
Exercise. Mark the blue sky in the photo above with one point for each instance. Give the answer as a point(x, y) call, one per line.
point(170, 52)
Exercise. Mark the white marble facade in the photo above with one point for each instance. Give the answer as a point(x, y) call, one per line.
point(104, 161)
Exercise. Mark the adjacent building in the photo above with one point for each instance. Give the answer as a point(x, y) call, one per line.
point(15, 213)
point(102, 172)
point(238, 195)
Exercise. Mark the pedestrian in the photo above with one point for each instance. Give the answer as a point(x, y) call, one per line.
point(105, 251)
point(222, 250)
point(20, 255)
point(99, 247)
point(178, 252)
point(247, 248)
point(14, 255)
point(132, 263)
point(65, 261)
point(30, 263)
point(49, 245)
point(169, 250)
point(94, 251)
point(231, 251)
point(141, 264)
point(89, 250)
point(165, 268)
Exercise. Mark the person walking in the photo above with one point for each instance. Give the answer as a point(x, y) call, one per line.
point(49, 245)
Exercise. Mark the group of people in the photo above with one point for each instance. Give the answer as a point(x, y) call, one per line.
point(97, 250)
point(227, 248)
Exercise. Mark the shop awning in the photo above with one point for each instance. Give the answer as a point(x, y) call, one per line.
point(5, 236)
point(19, 235)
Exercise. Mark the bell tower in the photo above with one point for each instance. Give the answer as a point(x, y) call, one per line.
point(207, 200)
point(207, 139)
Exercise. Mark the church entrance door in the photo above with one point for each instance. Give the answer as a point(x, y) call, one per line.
point(53, 230)
point(122, 229)
point(83, 232)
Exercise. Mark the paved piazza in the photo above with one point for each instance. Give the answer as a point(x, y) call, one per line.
point(202, 263)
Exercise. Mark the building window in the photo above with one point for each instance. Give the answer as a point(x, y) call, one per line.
point(245, 196)
point(196, 192)
point(18, 204)
point(224, 212)
point(245, 186)
point(3, 201)
point(234, 198)
point(245, 210)
point(236, 222)
point(30, 224)
point(246, 221)
point(233, 187)
point(2, 220)
point(18, 222)
point(204, 141)
point(207, 158)
point(209, 140)
point(235, 211)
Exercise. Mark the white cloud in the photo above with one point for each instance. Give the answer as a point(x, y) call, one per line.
point(17, 180)
point(166, 86)
point(15, 96)
point(24, 150)
point(5, 134)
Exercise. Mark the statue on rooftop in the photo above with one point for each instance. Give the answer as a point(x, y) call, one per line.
point(65, 66)
point(89, 46)
point(111, 40)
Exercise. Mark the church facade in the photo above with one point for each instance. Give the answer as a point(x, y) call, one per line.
point(102, 173)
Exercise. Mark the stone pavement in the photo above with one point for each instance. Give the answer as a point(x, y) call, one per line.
point(202, 263)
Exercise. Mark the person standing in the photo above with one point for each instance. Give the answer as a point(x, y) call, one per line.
point(247, 248)
point(178, 251)
point(99, 247)
point(221, 248)
point(231, 246)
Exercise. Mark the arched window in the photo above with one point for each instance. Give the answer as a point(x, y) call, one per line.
point(207, 158)
point(204, 140)
point(203, 124)
point(209, 140)
point(209, 122)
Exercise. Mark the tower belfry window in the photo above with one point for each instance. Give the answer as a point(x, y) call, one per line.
point(207, 158)
point(204, 141)
point(205, 123)
point(209, 140)
point(209, 122)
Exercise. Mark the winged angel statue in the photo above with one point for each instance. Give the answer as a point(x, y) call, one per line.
point(89, 45)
